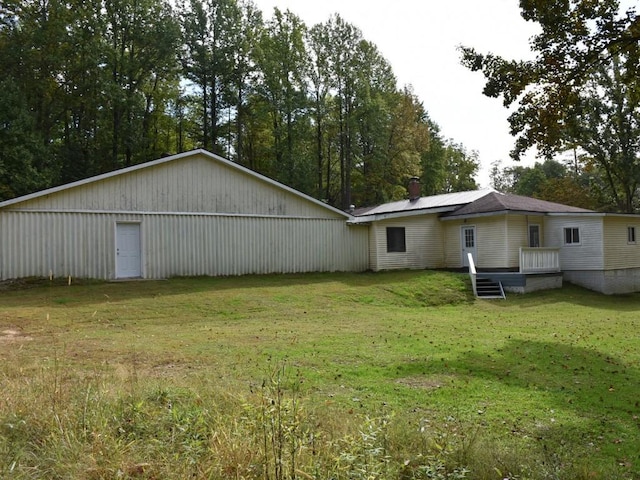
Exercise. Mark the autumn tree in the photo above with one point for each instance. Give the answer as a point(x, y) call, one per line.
point(569, 183)
point(580, 40)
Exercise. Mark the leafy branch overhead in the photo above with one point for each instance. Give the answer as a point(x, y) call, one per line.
point(581, 44)
point(577, 38)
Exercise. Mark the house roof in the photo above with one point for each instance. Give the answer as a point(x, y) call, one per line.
point(443, 202)
point(465, 204)
point(496, 202)
point(170, 158)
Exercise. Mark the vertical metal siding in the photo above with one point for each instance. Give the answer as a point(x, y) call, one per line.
point(83, 245)
point(190, 185)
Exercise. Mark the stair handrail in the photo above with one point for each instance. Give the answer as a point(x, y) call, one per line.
point(472, 273)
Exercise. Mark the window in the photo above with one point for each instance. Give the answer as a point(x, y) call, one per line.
point(534, 236)
point(469, 237)
point(571, 236)
point(631, 234)
point(396, 239)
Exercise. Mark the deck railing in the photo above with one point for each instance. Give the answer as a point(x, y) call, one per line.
point(539, 260)
point(472, 273)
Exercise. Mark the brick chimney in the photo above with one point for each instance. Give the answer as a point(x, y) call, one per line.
point(414, 189)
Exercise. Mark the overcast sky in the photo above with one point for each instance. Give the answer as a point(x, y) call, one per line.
point(419, 39)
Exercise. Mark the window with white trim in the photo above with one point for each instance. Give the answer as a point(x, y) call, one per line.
point(571, 236)
point(631, 234)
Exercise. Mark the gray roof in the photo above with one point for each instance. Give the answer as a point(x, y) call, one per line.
point(496, 202)
point(447, 201)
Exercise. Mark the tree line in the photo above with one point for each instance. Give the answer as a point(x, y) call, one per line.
point(89, 86)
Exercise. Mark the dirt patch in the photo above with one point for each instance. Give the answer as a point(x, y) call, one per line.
point(12, 334)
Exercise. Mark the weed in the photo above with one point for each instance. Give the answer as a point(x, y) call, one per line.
point(367, 376)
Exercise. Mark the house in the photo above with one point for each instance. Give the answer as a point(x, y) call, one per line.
point(184, 215)
point(198, 214)
point(525, 243)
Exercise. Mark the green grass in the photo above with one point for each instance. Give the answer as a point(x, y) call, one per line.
point(393, 375)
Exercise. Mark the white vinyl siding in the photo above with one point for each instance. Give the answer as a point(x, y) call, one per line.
point(619, 252)
point(517, 237)
point(492, 239)
point(83, 245)
point(452, 245)
point(589, 254)
point(423, 240)
point(498, 240)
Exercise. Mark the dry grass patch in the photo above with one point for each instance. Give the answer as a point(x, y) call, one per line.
point(396, 375)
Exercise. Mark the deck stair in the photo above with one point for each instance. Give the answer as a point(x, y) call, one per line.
point(487, 288)
point(483, 286)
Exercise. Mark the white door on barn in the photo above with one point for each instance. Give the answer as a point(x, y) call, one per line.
point(128, 250)
point(468, 242)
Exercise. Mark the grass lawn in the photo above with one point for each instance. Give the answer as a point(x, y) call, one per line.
point(392, 375)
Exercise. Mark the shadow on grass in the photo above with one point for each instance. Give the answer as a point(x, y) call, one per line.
point(579, 378)
point(425, 286)
point(575, 295)
point(596, 395)
point(421, 285)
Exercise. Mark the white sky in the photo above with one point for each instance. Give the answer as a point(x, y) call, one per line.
point(419, 39)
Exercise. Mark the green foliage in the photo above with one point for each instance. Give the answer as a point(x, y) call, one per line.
point(23, 168)
point(447, 166)
point(552, 181)
point(580, 92)
point(97, 85)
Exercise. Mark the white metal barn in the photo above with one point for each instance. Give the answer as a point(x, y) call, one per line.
point(189, 214)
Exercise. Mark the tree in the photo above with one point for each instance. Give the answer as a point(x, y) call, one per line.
point(23, 166)
point(551, 180)
point(282, 61)
point(447, 165)
point(247, 30)
point(408, 139)
point(576, 37)
point(585, 49)
point(319, 75)
point(94, 85)
point(210, 40)
point(344, 39)
point(141, 38)
point(605, 123)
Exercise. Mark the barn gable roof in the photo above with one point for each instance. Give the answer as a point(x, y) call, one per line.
point(167, 160)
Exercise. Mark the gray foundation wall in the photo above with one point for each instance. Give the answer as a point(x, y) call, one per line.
point(608, 282)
